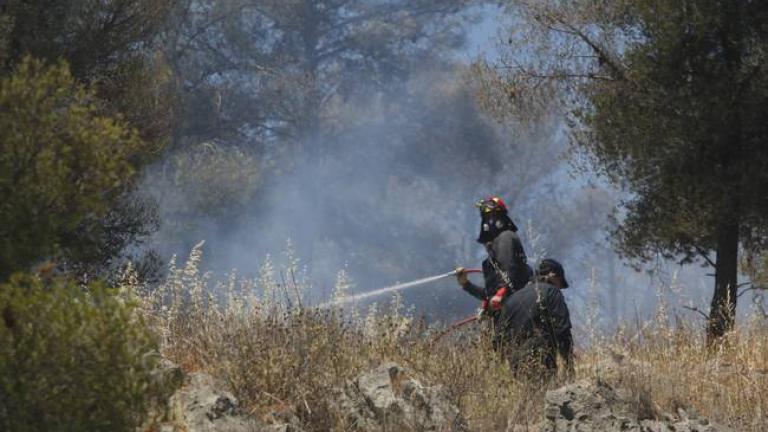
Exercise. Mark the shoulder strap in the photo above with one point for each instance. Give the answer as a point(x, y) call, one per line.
point(501, 273)
point(546, 317)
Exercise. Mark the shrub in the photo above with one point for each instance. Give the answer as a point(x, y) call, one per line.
point(73, 358)
point(63, 167)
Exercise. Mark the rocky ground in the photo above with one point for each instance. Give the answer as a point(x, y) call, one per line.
point(595, 406)
point(390, 398)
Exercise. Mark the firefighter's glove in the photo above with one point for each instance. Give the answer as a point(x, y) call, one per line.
point(461, 276)
point(498, 299)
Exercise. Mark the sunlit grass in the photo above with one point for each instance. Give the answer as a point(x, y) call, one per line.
point(258, 338)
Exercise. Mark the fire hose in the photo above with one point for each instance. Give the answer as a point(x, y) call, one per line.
point(454, 326)
point(402, 286)
point(393, 288)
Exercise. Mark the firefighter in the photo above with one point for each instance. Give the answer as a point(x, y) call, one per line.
point(505, 269)
point(535, 324)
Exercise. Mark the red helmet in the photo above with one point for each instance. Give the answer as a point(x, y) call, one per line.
point(491, 204)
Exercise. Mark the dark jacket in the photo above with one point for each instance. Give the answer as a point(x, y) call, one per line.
point(536, 325)
point(507, 250)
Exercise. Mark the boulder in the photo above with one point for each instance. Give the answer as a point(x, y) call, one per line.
point(597, 407)
point(390, 398)
point(201, 405)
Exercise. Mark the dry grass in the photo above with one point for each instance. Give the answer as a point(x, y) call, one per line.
point(275, 353)
point(727, 383)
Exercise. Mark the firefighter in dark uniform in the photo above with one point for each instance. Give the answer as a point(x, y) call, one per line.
point(536, 326)
point(505, 269)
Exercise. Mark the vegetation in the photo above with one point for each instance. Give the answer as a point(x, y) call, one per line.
point(665, 97)
point(277, 355)
point(63, 167)
point(278, 110)
point(84, 107)
point(108, 46)
point(73, 359)
point(300, 86)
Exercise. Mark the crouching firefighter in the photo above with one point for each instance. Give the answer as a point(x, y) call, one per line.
point(536, 325)
point(505, 269)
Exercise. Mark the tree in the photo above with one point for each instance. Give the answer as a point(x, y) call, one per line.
point(74, 359)
point(63, 169)
point(109, 47)
point(275, 79)
point(666, 98)
point(271, 71)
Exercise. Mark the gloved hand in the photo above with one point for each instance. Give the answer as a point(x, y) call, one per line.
point(461, 276)
point(498, 298)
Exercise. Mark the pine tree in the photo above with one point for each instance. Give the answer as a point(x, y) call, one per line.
point(668, 99)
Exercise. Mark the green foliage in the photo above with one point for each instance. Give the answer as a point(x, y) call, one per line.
point(755, 265)
point(277, 69)
point(5, 29)
point(73, 359)
point(685, 128)
point(110, 48)
point(62, 167)
point(203, 183)
point(667, 99)
point(107, 44)
point(214, 178)
point(93, 35)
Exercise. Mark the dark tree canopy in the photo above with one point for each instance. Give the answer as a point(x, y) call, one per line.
point(667, 98)
point(63, 171)
point(273, 70)
point(80, 119)
point(687, 130)
point(278, 83)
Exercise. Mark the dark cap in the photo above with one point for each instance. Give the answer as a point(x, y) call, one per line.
point(548, 265)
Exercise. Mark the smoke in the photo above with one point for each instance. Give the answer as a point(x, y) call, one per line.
point(387, 192)
point(384, 188)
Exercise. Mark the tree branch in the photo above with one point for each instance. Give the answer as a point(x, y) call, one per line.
point(751, 288)
point(602, 55)
point(705, 255)
point(697, 310)
point(561, 75)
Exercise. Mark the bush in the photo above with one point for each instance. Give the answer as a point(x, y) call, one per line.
point(73, 358)
point(63, 166)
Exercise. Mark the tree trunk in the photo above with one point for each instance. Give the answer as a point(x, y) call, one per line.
point(723, 308)
point(722, 312)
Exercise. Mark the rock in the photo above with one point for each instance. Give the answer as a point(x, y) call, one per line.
point(206, 408)
point(389, 398)
point(200, 405)
point(596, 407)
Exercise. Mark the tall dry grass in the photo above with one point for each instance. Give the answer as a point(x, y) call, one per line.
point(275, 353)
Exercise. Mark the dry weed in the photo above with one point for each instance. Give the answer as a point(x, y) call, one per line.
point(272, 351)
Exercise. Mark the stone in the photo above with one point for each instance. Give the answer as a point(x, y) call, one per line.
point(204, 407)
point(201, 405)
point(390, 398)
point(597, 407)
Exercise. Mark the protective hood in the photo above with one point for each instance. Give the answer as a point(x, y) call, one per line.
point(493, 224)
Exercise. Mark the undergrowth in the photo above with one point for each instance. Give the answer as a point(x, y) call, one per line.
point(258, 337)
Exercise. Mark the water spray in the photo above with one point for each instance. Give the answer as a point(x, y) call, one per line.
point(394, 288)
